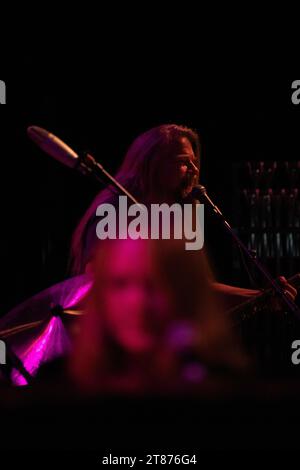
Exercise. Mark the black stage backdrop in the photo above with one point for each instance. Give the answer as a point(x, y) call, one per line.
point(101, 107)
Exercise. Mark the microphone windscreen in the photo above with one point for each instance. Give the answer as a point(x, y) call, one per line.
point(198, 191)
point(53, 146)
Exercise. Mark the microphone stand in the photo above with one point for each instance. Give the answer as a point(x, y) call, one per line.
point(88, 166)
point(14, 362)
point(200, 193)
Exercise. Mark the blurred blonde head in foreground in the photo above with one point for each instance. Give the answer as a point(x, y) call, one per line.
point(151, 321)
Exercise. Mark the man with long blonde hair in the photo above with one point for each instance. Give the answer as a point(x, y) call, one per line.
point(162, 165)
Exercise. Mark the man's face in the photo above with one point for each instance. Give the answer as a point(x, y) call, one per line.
point(180, 171)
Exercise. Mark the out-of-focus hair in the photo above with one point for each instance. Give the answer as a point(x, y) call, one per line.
point(187, 277)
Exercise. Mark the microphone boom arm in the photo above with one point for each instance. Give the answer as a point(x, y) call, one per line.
point(88, 166)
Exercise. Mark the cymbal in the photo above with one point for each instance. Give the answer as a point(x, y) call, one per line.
point(67, 294)
point(42, 345)
point(29, 326)
point(36, 331)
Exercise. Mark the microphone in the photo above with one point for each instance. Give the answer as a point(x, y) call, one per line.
point(199, 192)
point(53, 146)
point(86, 164)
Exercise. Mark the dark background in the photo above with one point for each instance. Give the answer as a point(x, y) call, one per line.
point(101, 106)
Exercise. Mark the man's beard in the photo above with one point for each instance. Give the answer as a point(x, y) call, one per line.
point(187, 184)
